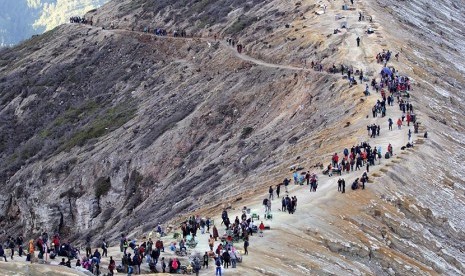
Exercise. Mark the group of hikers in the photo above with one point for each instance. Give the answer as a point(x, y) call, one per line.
point(80, 20)
point(231, 42)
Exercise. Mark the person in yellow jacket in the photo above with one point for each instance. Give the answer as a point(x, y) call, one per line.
point(31, 250)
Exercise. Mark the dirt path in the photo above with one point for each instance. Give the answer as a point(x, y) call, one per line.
point(211, 41)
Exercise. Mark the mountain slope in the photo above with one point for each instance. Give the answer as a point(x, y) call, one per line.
point(106, 129)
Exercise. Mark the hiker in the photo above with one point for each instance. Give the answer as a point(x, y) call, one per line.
point(399, 123)
point(233, 258)
point(226, 259)
point(270, 191)
point(104, 248)
point(295, 175)
point(2, 253)
point(218, 266)
point(286, 183)
point(278, 188)
point(343, 184)
point(111, 266)
point(207, 223)
point(215, 232)
point(163, 264)
point(11, 245)
point(358, 41)
point(339, 185)
point(196, 266)
point(261, 227)
point(335, 159)
point(246, 246)
point(283, 204)
point(205, 260)
point(211, 242)
point(239, 48)
point(265, 203)
point(364, 179)
point(390, 123)
point(31, 251)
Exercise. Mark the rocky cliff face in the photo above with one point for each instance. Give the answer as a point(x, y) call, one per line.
point(111, 130)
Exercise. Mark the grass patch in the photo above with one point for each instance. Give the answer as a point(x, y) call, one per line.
point(110, 120)
point(74, 115)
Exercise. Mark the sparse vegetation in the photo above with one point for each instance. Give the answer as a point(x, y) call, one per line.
point(110, 120)
point(241, 23)
point(246, 131)
point(102, 186)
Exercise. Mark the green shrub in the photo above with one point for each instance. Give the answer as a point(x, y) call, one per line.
point(246, 131)
point(102, 186)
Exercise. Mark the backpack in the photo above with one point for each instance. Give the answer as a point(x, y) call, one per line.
point(174, 265)
point(197, 265)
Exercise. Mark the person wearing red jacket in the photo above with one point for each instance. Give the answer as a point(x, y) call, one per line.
point(261, 227)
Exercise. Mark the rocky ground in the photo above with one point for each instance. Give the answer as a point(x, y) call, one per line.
point(213, 128)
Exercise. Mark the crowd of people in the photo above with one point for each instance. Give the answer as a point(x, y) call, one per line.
point(80, 20)
point(240, 229)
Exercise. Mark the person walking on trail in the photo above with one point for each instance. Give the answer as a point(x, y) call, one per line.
point(399, 123)
point(286, 183)
point(265, 203)
point(218, 266)
point(339, 185)
point(111, 265)
point(343, 184)
point(409, 134)
point(215, 232)
point(31, 250)
point(104, 248)
point(211, 242)
point(283, 204)
point(11, 245)
point(2, 253)
point(226, 259)
point(270, 191)
point(261, 227)
point(390, 123)
point(278, 189)
point(358, 41)
point(205, 260)
point(246, 246)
